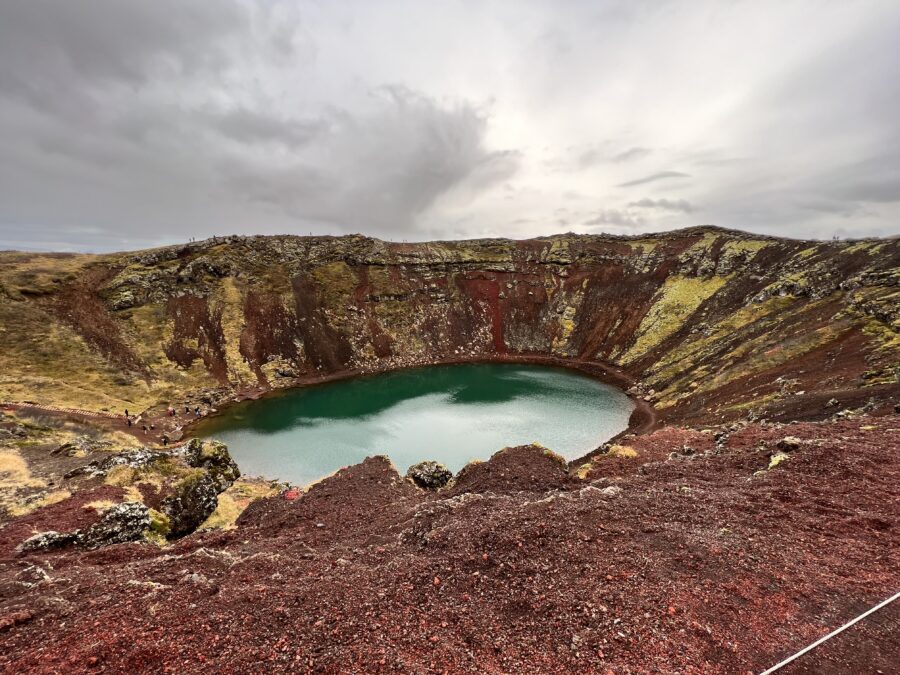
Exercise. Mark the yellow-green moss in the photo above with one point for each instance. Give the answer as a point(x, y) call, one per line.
point(645, 246)
point(583, 470)
point(736, 247)
point(777, 459)
point(556, 457)
point(697, 345)
point(566, 326)
point(14, 472)
point(100, 505)
point(675, 301)
point(625, 451)
point(159, 522)
point(337, 282)
point(231, 302)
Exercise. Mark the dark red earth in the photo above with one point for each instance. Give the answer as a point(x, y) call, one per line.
point(698, 564)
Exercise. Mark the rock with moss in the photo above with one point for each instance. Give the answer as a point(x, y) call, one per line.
point(212, 456)
point(49, 541)
point(194, 497)
point(193, 501)
point(136, 458)
point(160, 524)
point(188, 480)
point(429, 475)
point(119, 524)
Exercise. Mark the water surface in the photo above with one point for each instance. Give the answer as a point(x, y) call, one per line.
point(452, 414)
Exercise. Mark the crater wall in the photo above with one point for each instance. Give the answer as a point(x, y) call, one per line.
point(714, 324)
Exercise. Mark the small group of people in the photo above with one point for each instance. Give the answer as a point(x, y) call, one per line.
point(133, 420)
point(129, 420)
point(170, 412)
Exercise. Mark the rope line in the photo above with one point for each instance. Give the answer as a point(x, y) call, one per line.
point(779, 666)
point(56, 408)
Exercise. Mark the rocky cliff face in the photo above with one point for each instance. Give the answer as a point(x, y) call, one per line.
point(716, 323)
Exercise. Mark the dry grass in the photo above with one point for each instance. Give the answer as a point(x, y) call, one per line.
point(100, 505)
point(14, 472)
point(235, 499)
point(45, 499)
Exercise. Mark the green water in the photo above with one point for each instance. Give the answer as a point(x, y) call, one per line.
point(451, 414)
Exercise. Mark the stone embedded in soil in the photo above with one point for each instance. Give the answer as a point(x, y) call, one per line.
point(49, 540)
point(429, 475)
point(119, 524)
point(789, 444)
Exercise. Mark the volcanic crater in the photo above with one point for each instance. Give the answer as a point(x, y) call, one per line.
point(751, 506)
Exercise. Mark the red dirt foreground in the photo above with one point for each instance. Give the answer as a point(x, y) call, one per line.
point(701, 561)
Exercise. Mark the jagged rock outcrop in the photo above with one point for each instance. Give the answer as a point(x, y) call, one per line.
point(186, 483)
point(429, 475)
point(118, 524)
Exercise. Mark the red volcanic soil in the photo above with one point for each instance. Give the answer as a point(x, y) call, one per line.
point(691, 563)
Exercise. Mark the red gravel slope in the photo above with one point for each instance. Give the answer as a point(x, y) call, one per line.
point(696, 564)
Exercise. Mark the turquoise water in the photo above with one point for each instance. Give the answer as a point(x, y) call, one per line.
point(452, 414)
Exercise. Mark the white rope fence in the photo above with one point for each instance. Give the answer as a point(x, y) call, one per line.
point(56, 408)
point(815, 644)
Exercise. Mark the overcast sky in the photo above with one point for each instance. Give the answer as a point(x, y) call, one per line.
point(127, 123)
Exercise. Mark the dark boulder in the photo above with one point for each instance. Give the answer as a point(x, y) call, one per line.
point(429, 475)
point(193, 501)
point(119, 524)
point(49, 541)
point(195, 496)
point(212, 456)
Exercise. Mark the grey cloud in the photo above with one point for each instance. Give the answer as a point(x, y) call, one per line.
point(681, 205)
point(662, 175)
point(877, 180)
point(128, 123)
point(121, 111)
point(604, 153)
point(630, 154)
point(50, 50)
point(380, 170)
point(614, 217)
point(250, 126)
point(844, 209)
